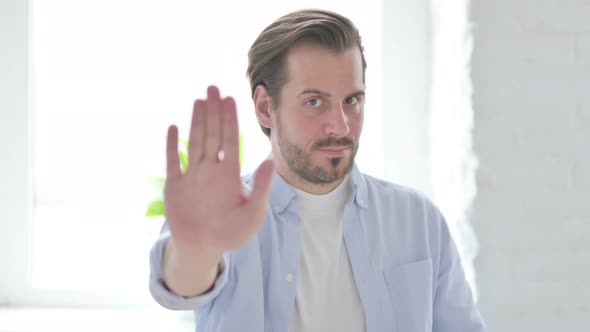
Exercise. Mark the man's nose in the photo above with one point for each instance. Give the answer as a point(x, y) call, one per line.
point(337, 122)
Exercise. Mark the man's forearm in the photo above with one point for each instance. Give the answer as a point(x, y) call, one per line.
point(189, 274)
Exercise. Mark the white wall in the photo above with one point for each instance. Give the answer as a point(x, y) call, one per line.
point(531, 77)
point(406, 85)
point(15, 200)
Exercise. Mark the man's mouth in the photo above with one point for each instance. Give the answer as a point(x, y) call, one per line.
point(334, 151)
point(334, 148)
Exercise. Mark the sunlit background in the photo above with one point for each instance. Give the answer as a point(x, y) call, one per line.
point(107, 78)
point(88, 89)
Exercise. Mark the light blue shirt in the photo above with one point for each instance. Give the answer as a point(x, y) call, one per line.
point(405, 266)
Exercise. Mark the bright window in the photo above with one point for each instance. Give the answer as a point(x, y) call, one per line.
point(108, 78)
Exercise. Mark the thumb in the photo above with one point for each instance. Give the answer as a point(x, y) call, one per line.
point(262, 182)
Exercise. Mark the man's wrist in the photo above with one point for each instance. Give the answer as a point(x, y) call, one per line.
point(193, 256)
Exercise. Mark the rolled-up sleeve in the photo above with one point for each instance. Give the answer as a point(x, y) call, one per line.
point(171, 300)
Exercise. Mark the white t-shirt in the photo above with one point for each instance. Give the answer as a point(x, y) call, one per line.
point(326, 298)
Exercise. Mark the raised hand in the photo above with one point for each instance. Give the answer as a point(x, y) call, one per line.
point(206, 208)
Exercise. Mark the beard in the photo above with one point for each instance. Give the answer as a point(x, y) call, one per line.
point(300, 163)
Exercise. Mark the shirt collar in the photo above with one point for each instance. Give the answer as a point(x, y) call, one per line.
point(359, 187)
point(282, 194)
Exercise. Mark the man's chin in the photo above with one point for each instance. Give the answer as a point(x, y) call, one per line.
point(331, 164)
point(335, 169)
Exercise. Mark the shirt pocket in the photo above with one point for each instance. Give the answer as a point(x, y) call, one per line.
point(410, 290)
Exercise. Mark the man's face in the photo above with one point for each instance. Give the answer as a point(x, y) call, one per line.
point(320, 117)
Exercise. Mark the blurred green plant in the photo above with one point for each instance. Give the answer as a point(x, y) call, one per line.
point(156, 207)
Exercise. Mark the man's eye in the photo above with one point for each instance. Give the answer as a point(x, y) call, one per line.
point(352, 100)
point(314, 102)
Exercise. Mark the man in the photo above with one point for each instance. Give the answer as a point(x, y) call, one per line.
point(310, 243)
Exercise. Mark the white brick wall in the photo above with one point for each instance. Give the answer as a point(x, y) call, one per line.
point(583, 50)
point(531, 78)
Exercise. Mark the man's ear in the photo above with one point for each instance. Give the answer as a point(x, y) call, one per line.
point(263, 106)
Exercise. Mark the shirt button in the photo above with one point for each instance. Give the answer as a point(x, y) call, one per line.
point(289, 277)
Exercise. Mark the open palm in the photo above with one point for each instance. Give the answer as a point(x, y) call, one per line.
point(206, 206)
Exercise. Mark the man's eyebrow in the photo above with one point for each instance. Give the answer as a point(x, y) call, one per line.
point(358, 93)
point(314, 91)
point(326, 94)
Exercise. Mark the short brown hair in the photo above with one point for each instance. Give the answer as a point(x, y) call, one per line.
point(267, 55)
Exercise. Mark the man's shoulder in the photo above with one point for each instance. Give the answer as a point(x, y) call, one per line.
point(380, 188)
point(398, 207)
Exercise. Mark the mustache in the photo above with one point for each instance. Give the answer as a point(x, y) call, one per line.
point(343, 141)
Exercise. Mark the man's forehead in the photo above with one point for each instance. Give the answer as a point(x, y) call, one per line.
point(307, 52)
point(310, 67)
